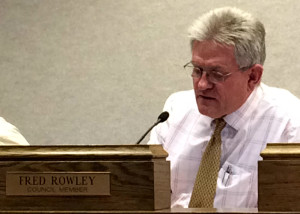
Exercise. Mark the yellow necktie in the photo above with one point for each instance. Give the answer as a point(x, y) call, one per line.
point(206, 181)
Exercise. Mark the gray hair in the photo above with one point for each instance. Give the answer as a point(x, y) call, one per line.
point(232, 26)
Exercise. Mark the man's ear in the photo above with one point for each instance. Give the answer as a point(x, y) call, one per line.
point(255, 74)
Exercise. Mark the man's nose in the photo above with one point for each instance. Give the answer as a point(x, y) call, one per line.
point(204, 83)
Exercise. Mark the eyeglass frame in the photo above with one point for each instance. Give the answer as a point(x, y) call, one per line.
point(223, 76)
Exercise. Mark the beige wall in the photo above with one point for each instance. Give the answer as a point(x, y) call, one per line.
point(99, 71)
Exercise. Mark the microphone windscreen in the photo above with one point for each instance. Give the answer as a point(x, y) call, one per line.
point(163, 116)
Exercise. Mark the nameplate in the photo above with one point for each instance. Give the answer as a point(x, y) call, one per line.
point(57, 183)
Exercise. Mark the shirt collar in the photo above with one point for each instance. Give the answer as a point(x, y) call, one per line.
point(241, 116)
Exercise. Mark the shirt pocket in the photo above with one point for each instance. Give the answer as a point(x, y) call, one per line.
point(235, 187)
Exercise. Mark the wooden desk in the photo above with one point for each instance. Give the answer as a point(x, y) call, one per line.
point(279, 178)
point(84, 178)
point(165, 211)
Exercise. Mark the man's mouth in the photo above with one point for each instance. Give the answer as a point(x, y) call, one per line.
point(206, 97)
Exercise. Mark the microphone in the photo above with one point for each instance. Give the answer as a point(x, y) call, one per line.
point(161, 118)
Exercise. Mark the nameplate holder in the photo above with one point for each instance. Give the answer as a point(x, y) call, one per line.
point(71, 178)
point(58, 184)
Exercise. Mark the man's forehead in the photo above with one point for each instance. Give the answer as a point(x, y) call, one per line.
point(212, 53)
point(212, 45)
point(207, 66)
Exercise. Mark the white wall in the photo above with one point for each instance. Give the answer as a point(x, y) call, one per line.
point(99, 71)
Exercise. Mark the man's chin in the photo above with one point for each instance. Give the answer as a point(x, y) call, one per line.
point(210, 112)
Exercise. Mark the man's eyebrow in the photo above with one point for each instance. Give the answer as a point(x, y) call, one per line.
point(211, 67)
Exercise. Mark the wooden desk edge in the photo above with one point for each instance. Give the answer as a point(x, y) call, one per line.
point(164, 211)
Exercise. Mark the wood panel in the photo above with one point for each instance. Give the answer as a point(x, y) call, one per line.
point(138, 181)
point(279, 185)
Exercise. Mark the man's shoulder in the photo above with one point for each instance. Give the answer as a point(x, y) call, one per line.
point(282, 100)
point(180, 104)
point(182, 98)
point(279, 96)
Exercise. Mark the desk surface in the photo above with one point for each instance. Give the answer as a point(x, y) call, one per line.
point(171, 211)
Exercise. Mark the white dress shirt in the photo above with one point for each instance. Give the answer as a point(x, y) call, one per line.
point(269, 115)
point(10, 135)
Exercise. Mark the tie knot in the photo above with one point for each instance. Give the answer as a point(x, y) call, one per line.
point(220, 124)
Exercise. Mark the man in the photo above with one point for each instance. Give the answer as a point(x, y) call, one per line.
point(228, 53)
point(9, 134)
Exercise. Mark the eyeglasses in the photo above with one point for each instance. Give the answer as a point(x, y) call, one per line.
point(211, 75)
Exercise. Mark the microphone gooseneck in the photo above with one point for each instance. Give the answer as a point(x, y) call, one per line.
point(161, 118)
